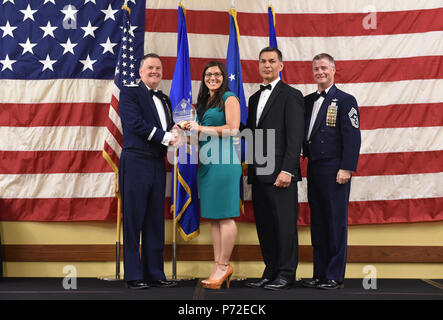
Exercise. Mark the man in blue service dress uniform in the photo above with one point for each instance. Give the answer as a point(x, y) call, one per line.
point(332, 144)
point(146, 119)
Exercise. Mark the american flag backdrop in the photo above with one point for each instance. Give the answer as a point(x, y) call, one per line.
point(388, 55)
point(58, 61)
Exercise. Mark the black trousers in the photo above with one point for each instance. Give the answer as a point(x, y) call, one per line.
point(276, 211)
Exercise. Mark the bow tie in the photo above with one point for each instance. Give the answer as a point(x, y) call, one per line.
point(267, 87)
point(318, 95)
point(157, 93)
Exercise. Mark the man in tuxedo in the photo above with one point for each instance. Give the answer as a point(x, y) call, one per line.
point(276, 112)
point(146, 119)
point(332, 145)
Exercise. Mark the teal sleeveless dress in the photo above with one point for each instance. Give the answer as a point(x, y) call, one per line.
point(219, 169)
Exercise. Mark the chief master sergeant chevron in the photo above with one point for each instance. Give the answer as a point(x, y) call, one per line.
point(146, 119)
point(332, 144)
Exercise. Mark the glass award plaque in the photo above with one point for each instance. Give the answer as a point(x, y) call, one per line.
point(182, 114)
point(184, 111)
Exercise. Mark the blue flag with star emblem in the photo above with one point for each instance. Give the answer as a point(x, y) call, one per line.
point(187, 209)
point(233, 67)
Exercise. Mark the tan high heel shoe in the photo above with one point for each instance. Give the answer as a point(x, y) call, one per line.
point(217, 283)
point(207, 280)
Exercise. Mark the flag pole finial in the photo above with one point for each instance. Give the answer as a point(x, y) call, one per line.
point(180, 4)
point(125, 6)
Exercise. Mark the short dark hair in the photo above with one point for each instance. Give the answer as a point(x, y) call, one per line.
point(149, 55)
point(325, 56)
point(272, 49)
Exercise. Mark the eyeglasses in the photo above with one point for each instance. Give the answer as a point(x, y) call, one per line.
point(215, 74)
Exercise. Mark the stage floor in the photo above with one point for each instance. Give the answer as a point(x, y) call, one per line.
point(96, 289)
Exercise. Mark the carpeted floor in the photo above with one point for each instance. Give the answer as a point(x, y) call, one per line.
point(95, 289)
point(189, 300)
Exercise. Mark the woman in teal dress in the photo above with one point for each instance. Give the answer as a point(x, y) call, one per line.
point(219, 170)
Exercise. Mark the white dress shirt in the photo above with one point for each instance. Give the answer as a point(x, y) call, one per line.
point(161, 114)
point(315, 110)
point(264, 96)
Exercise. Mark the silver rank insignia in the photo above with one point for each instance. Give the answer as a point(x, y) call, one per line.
point(353, 117)
point(331, 116)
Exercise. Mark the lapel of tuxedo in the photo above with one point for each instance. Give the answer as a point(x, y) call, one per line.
point(168, 111)
point(321, 116)
point(270, 101)
point(252, 116)
point(309, 102)
point(166, 108)
point(146, 96)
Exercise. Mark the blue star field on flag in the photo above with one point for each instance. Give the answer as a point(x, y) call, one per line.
point(50, 39)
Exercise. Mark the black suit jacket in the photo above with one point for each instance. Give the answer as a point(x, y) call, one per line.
point(283, 114)
point(139, 117)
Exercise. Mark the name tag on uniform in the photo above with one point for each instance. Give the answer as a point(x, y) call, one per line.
point(331, 116)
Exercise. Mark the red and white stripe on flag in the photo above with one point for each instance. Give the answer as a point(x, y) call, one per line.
point(52, 168)
point(113, 133)
point(388, 55)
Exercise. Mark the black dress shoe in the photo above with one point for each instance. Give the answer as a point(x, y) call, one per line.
point(331, 285)
point(258, 284)
point(137, 284)
point(163, 284)
point(278, 284)
point(311, 284)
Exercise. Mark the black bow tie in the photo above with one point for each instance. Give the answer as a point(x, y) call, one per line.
point(267, 87)
point(318, 95)
point(157, 93)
